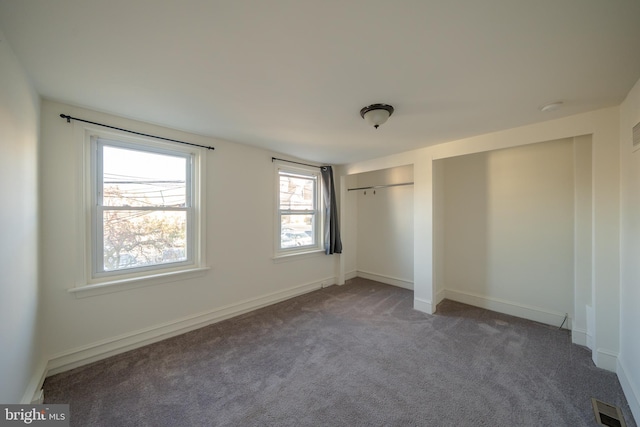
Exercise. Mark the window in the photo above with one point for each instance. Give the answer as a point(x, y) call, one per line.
point(298, 219)
point(144, 208)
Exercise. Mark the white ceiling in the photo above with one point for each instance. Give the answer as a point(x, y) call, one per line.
point(292, 75)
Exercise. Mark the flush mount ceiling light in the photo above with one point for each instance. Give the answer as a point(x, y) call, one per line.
point(551, 107)
point(376, 114)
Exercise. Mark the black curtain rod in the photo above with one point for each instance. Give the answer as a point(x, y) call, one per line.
point(297, 163)
point(69, 118)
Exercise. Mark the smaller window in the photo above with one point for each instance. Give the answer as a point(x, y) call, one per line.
point(298, 210)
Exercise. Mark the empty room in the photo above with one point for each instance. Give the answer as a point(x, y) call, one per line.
point(298, 213)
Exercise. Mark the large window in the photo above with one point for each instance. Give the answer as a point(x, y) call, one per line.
point(144, 212)
point(298, 210)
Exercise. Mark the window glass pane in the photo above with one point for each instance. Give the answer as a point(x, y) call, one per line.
point(142, 238)
point(139, 178)
point(296, 231)
point(297, 193)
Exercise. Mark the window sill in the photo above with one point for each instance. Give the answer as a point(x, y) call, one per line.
point(286, 257)
point(102, 288)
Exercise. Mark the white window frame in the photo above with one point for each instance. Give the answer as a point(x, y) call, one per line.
point(98, 208)
point(304, 171)
point(90, 280)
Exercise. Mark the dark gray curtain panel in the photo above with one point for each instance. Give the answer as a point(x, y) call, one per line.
point(332, 241)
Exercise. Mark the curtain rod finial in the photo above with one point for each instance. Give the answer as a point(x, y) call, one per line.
point(64, 116)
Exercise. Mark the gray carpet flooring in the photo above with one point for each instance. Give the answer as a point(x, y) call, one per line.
point(353, 355)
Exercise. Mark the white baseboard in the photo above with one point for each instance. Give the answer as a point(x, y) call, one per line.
point(38, 398)
point(394, 281)
point(630, 391)
point(32, 392)
point(423, 305)
point(350, 275)
point(580, 337)
point(105, 348)
point(605, 359)
point(508, 307)
point(591, 326)
point(440, 295)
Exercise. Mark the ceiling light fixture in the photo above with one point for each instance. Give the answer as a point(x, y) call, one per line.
point(376, 114)
point(551, 107)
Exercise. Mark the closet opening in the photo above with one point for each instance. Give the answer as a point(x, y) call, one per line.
point(380, 226)
point(512, 231)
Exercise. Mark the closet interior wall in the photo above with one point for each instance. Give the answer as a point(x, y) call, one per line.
point(382, 225)
point(507, 228)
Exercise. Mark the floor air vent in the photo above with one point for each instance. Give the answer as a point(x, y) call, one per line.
point(607, 415)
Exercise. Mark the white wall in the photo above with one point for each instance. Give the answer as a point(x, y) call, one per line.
point(384, 224)
point(19, 331)
point(349, 224)
point(509, 230)
point(628, 365)
point(439, 238)
point(603, 127)
point(240, 228)
point(583, 322)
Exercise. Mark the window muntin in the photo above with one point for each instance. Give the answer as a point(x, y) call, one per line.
point(298, 207)
point(143, 211)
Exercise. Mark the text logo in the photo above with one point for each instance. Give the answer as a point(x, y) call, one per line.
point(36, 415)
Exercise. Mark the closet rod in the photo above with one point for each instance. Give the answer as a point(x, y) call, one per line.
point(380, 186)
